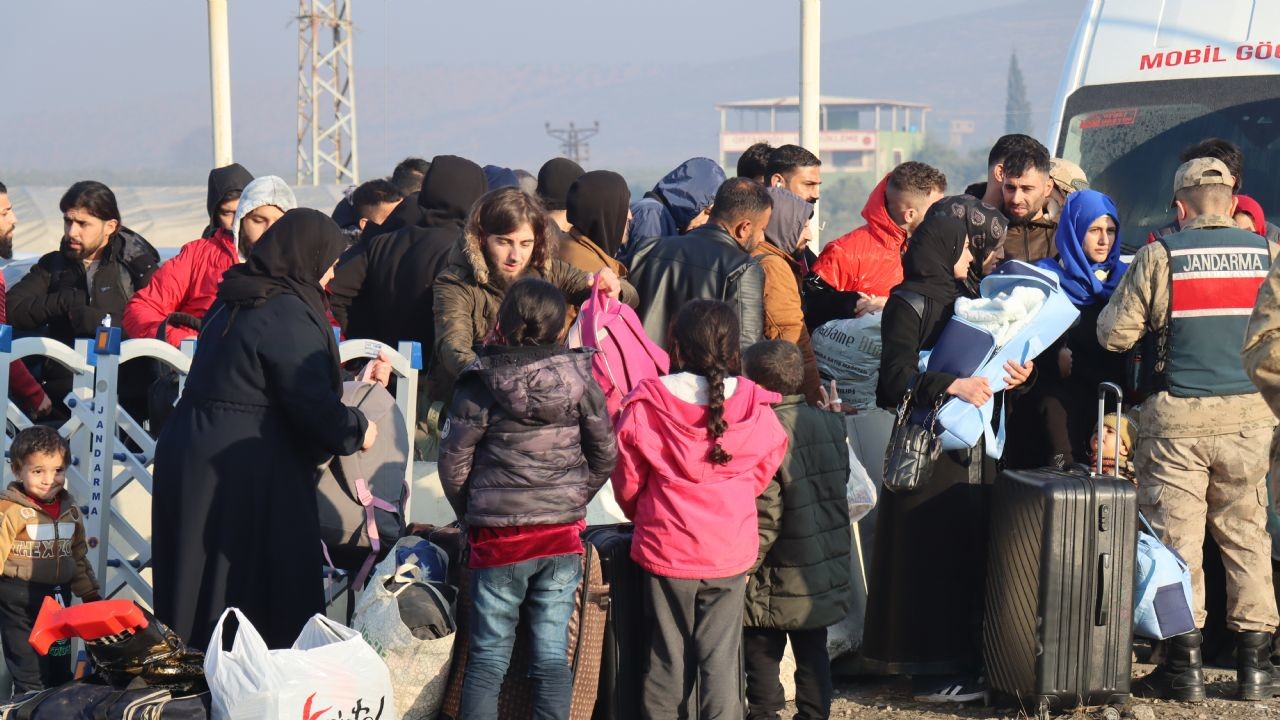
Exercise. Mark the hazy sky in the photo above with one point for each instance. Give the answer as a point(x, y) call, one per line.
point(124, 84)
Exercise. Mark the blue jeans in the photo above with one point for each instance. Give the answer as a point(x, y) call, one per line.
point(546, 587)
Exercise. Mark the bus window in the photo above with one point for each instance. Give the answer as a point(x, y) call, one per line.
point(1128, 139)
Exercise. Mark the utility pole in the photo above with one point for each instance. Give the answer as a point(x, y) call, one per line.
point(810, 56)
point(326, 89)
point(573, 141)
point(220, 82)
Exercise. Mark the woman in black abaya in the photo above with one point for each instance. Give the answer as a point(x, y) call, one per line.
point(234, 509)
point(926, 585)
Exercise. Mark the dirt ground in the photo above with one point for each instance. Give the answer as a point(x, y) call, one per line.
point(892, 701)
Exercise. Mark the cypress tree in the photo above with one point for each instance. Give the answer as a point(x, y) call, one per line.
point(1017, 114)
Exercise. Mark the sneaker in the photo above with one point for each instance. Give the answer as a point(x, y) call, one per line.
point(950, 689)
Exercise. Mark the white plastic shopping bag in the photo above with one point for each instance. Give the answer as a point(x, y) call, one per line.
point(420, 667)
point(329, 673)
point(861, 489)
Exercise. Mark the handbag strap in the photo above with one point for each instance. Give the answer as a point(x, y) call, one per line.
point(1142, 519)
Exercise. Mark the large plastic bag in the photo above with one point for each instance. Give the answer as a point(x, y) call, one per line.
point(420, 668)
point(329, 671)
point(848, 351)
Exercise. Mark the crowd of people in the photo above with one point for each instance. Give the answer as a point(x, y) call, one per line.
point(733, 466)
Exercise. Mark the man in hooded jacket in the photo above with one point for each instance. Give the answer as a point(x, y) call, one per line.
point(785, 238)
point(381, 289)
point(855, 272)
point(225, 185)
point(680, 202)
point(713, 262)
point(171, 306)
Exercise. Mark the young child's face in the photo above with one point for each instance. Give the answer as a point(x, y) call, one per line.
point(42, 475)
point(1109, 441)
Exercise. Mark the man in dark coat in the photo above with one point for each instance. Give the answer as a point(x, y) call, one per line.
point(70, 292)
point(711, 262)
point(381, 289)
point(234, 515)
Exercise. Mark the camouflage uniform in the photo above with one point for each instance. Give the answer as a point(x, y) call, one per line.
point(1200, 460)
point(1262, 354)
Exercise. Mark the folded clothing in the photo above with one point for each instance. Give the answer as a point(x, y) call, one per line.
point(1004, 315)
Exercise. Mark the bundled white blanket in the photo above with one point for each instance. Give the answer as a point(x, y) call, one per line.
point(1004, 315)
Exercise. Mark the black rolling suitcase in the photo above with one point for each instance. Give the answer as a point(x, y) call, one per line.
point(1058, 629)
point(625, 641)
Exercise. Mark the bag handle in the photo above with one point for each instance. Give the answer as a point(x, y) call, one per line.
point(596, 302)
point(405, 576)
point(247, 640)
point(1146, 527)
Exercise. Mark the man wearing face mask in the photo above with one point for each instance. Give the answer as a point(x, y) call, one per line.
point(70, 292)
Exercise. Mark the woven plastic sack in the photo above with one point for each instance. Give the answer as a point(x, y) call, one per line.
point(419, 668)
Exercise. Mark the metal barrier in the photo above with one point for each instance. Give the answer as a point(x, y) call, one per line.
point(110, 480)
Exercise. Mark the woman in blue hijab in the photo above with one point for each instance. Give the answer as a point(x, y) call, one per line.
point(1088, 262)
point(1089, 267)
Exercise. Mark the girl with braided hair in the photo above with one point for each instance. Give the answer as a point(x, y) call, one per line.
point(695, 449)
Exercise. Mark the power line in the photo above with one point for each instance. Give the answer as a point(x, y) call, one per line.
point(573, 141)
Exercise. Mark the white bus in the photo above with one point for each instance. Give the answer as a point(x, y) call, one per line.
point(1146, 78)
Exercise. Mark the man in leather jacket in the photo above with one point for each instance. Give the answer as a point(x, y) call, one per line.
point(712, 262)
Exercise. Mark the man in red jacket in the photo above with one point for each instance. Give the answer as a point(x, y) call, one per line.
point(172, 305)
point(868, 260)
point(22, 386)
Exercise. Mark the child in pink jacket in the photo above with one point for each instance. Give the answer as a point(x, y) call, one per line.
point(695, 449)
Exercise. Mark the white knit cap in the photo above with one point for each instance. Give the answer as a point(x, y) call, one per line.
point(266, 190)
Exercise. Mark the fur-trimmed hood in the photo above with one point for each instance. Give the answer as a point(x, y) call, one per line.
point(469, 255)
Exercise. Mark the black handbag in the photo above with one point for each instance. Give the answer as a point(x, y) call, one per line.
point(908, 461)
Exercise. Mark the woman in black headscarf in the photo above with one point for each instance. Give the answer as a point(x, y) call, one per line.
point(234, 502)
point(598, 205)
point(924, 610)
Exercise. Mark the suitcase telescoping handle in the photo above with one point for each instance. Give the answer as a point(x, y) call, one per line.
point(1105, 389)
point(1103, 609)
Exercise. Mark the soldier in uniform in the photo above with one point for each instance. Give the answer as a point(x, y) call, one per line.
point(1201, 455)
